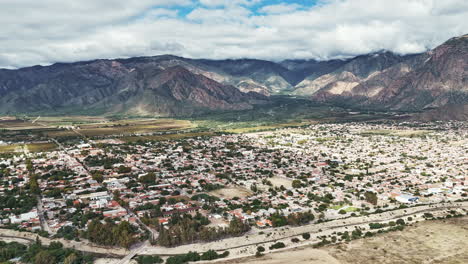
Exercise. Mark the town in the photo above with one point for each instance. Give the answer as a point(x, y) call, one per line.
point(184, 191)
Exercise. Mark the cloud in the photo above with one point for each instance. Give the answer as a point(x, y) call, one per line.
point(280, 8)
point(48, 31)
point(218, 3)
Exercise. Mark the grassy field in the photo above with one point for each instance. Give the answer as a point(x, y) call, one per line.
point(266, 127)
point(33, 147)
point(124, 127)
point(396, 132)
point(281, 112)
point(167, 137)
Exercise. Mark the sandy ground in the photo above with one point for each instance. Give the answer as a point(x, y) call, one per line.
point(425, 242)
point(231, 192)
point(111, 261)
point(278, 181)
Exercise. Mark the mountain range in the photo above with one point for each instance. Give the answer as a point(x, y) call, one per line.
point(435, 81)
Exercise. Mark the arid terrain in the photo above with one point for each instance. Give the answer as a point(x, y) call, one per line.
point(444, 241)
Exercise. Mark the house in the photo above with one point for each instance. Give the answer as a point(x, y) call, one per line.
point(406, 198)
point(26, 217)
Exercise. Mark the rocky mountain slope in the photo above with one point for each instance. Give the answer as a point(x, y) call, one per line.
point(172, 86)
point(433, 79)
point(106, 86)
point(350, 74)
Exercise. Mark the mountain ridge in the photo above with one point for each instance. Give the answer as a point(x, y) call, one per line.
point(169, 85)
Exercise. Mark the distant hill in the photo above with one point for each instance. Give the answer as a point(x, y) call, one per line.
point(138, 87)
point(430, 80)
point(174, 86)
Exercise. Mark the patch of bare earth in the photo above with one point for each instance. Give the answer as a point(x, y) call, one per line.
point(231, 192)
point(444, 241)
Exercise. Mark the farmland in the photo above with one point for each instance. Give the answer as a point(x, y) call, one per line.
point(32, 147)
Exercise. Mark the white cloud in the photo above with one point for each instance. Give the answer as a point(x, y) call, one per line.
point(280, 8)
point(47, 31)
point(218, 3)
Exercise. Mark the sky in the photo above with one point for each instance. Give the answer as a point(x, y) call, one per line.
point(47, 31)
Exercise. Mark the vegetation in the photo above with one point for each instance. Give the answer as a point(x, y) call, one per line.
point(187, 229)
point(194, 257)
point(110, 234)
point(149, 259)
point(277, 245)
point(295, 219)
point(39, 254)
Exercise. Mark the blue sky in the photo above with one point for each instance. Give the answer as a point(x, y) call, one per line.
point(256, 6)
point(49, 31)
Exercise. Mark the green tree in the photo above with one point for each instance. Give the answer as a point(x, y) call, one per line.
point(371, 197)
point(296, 184)
point(71, 259)
point(97, 176)
point(44, 257)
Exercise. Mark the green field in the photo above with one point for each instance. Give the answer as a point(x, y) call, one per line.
point(33, 147)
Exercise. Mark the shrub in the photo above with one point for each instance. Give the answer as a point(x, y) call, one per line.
point(277, 245)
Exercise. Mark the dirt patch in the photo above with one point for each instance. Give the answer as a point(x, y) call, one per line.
point(443, 241)
point(427, 242)
point(299, 255)
point(278, 181)
point(231, 192)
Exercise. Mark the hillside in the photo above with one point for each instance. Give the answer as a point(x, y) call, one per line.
point(430, 80)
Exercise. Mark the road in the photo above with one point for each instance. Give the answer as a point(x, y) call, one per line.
point(40, 213)
point(134, 252)
point(237, 244)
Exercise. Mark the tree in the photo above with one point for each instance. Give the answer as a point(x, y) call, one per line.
point(400, 222)
point(71, 259)
point(296, 184)
point(370, 197)
point(147, 179)
point(33, 185)
point(44, 257)
point(209, 255)
point(306, 235)
point(97, 176)
point(149, 259)
point(277, 245)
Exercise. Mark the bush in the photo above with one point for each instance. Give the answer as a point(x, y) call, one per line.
point(306, 236)
point(400, 222)
point(277, 245)
point(260, 249)
point(149, 259)
point(295, 240)
point(209, 255)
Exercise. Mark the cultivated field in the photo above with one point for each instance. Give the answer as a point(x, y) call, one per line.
point(40, 128)
point(254, 128)
point(124, 127)
point(167, 136)
point(33, 147)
